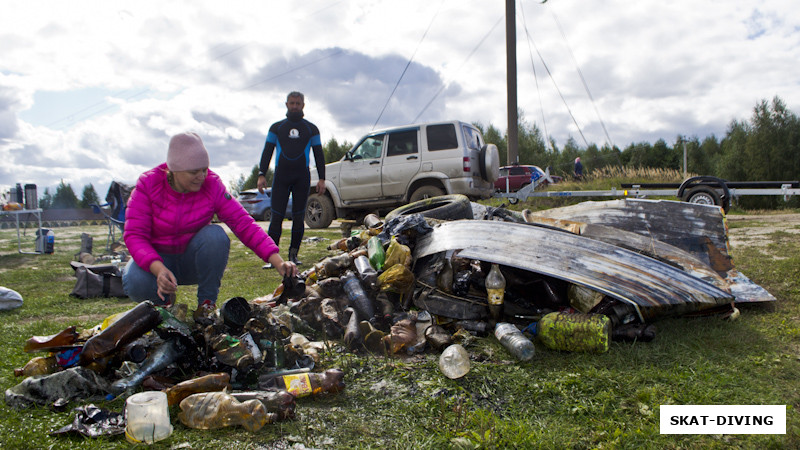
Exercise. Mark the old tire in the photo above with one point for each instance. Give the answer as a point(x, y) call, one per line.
point(443, 207)
point(319, 211)
point(703, 195)
point(489, 163)
point(424, 192)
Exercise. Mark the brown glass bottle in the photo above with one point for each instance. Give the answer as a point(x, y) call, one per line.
point(65, 338)
point(304, 384)
point(135, 322)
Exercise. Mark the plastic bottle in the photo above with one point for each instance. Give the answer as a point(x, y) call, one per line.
point(495, 287)
point(208, 383)
point(65, 338)
point(134, 323)
point(367, 273)
point(40, 365)
point(397, 253)
point(352, 335)
point(163, 356)
point(454, 361)
point(514, 341)
point(304, 384)
point(357, 297)
point(574, 332)
point(376, 253)
point(346, 244)
point(212, 410)
point(279, 402)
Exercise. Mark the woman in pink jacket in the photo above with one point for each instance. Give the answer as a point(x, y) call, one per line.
point(169, 234)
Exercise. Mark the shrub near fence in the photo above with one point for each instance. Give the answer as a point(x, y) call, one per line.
point(54, 218)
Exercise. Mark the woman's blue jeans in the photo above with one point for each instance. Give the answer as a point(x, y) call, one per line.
point(203, 263)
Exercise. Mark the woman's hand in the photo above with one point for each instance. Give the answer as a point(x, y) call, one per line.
point(165, 280)
point(285, 268)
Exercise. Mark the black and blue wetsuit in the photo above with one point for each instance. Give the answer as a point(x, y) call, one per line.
point(294, 141)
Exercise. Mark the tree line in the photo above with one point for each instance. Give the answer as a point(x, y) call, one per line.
point(764, 148)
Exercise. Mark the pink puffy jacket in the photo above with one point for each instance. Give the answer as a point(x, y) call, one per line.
point(160, 220)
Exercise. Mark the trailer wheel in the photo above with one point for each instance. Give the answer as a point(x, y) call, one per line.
point(703, 195)
point(513, 200)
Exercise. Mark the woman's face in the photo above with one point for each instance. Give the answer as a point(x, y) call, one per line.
point(190, 180)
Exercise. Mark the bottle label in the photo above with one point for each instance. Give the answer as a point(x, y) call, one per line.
point(496, 296)
point(298, 385)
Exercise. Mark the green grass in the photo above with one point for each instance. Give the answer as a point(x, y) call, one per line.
point(557, 400)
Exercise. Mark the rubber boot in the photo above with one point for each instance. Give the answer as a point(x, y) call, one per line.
point(293, 256)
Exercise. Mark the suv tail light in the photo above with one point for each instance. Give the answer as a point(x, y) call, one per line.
point(467, 165)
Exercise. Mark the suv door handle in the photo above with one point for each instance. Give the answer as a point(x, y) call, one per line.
point(374, 162)
point(411, 157)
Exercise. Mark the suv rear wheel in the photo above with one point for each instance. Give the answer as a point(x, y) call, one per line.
point(319, 211)
point(424, 192)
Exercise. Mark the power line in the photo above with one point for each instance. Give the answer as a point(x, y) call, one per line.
point(407, 65)
point(444, 85)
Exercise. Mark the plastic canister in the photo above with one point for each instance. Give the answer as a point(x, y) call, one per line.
point(31, 200)
point(147, 417)
point(45, 240)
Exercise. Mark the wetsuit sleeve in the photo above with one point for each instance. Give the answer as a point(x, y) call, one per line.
point(319, 157)
point(266, 154)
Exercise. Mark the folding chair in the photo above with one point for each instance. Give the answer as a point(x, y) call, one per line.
point(114, 210)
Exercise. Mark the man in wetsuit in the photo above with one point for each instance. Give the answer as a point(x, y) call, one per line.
point(294, 138)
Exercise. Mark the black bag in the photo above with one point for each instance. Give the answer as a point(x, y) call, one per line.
point(105, 282)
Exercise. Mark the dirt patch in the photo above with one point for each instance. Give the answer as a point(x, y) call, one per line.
point(755, 230)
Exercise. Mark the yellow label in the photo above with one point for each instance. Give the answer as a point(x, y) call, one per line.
point(298, 385)
point(496, 296)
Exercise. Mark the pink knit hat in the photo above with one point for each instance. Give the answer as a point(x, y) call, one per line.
point(186, 152)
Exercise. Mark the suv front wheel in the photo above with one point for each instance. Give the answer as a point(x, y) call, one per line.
point(319, 211)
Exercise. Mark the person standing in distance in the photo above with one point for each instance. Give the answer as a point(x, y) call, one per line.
point(578, 170)
point(292, 141)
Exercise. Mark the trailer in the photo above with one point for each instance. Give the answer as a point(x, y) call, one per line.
point(704, 190)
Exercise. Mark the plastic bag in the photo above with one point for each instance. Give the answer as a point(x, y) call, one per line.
point(397, 253)
point(9, 299)
point(397, 278)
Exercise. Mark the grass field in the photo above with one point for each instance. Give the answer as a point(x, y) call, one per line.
point(557, 400)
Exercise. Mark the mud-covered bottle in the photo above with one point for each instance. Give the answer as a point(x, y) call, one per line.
point(212, 410)
point(279, 402)
point(576, 332)
point(40, 365)
point(495, 288)
point(514, 341)
point(333, 266)
point(134, 323)
point(358, 297)
point(163, 356)
point(346, 244)
point(444, 280)
point(366, 273)
point(305, 384)
point(207, 383)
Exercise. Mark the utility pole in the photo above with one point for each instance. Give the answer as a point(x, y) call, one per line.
point(511, 82)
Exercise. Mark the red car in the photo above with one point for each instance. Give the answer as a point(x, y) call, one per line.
point(519, 176)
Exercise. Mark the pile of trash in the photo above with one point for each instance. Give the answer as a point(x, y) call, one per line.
point(403, 286)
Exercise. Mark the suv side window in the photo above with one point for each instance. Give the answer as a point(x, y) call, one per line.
point(402, 143)
point(517, 171)
point(441, 137)
point(473, 137)
point(370, 148)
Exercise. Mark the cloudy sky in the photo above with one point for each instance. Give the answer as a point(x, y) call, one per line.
point(91, 91)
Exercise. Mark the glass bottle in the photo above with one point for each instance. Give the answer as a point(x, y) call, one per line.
point(376, 252)
point(514, 341)
point(163, 356)
point(495, 287)
point(65, 338)
point(134, 323)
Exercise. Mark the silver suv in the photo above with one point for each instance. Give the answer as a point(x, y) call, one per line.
point(395, 166)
